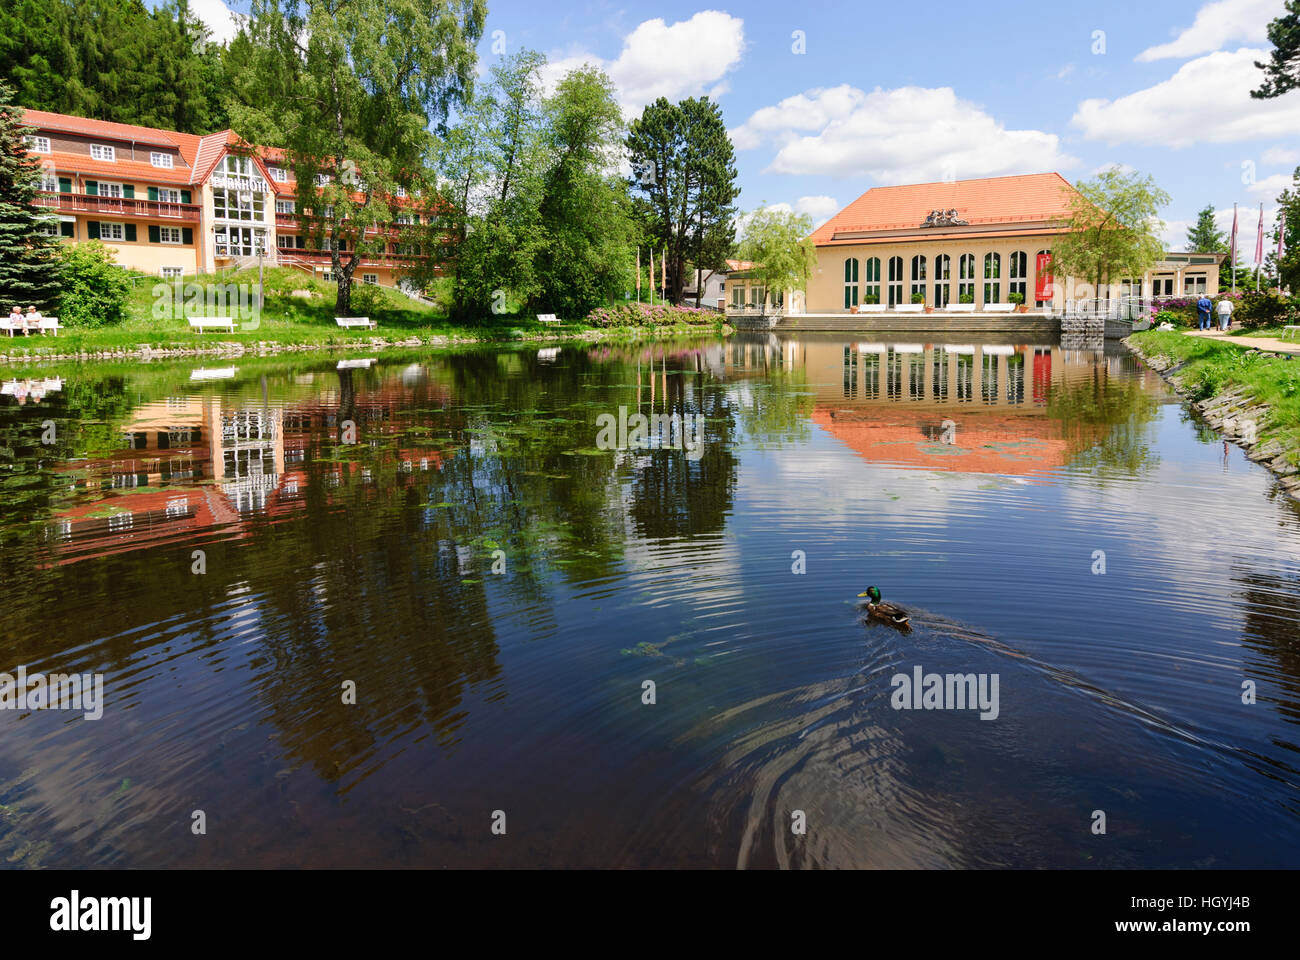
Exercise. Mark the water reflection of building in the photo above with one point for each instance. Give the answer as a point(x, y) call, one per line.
point(966, 407)
point(188, 464)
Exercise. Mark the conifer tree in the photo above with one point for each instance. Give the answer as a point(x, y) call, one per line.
point(28, 262)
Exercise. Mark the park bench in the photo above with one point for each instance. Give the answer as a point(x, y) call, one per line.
point(1000, 307)
point(49, 325)
point(349, 322)
point(909, 308)
point(202, 324)
point(960, 308)
point(872, 307)
point(548, 318)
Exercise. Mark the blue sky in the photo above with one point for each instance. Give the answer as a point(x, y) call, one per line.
point(912, 92)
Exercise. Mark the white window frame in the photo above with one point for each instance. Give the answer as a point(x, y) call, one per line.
point(103, 152)
point(164, 232)
point(163, 161)
point(371, 279)
point(171, 273)
point(118, 228)
point(168, 195)
point(37, 144)
point(399, 192)
point(279, 175)
point(48, 226)
point(49, 182)
point(283, 241)
point(286, 207)
point(110, 195)
point(323, 179)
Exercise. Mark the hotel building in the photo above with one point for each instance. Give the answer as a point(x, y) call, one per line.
point(176, 204)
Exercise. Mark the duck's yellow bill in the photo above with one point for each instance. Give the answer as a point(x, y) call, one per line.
point(861, 594)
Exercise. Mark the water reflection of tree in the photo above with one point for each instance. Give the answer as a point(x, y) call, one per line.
point(1106, 421)
point(1270, 606)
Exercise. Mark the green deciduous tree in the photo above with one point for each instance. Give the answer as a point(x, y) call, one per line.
point(354, 90)
point(1282, 71)
point(684, 166)
point(1287, 270)
point(1114, 228)
point(29, 273)
point(778, 243)
point(94, 289)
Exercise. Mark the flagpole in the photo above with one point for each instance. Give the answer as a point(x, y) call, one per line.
point(638, 273)
point(1233, 250)
point(1259, 245)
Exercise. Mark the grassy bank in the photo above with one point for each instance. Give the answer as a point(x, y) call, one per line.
point(298, 312)
point(1207, 369)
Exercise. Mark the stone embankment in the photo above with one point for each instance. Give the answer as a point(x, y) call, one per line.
point(1239, 417)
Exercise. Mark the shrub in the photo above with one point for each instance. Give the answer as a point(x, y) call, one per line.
point(918, 298)
point(1017, 298)
point(644, 315)
point(871, 298)
point(368, 299)
point(94, 290)
point(1263, 309)
point(967, 298)
point(1177, 318)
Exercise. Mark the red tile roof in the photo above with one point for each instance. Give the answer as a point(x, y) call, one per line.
point(129, 171)
point(1015, 201)
point(82, 126)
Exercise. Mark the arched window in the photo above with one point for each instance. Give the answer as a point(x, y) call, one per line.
point(918, 277)
point(1044, 281)
point(895, 280)
point(1017, 275)
point(871, 291)
point(966, 278)
point(942, 274)
point(850, 283)
point(992, 278)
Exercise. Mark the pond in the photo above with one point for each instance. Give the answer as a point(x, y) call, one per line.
point(462, 608)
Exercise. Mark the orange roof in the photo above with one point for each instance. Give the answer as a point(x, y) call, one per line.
point(84, 127)
point(129, 170)
point(1020, 200)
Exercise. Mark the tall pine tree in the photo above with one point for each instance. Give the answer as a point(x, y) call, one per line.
point(1205, 236)
point(28, 262)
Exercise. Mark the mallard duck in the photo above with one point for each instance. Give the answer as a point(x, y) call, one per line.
point(877, 609)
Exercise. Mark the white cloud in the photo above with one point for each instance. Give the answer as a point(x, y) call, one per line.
point(904, 135)
point(1216, 25)
point(819, 208)
point(1065, 71)
point(1207, 101)
point(217, 17)
point(1269, 187)
point(1277, 156)
point(658, 59)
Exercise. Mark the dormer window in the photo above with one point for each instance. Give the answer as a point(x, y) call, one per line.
point(163, 160)
point(322, 179)
point(279, 175)
point(400, 192)
point(99, 151)
point(37, 144)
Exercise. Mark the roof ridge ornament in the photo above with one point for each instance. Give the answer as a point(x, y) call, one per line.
point(944, 218)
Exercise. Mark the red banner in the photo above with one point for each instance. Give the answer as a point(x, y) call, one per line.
point(1044, 288)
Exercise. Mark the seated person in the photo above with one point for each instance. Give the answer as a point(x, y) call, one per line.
point(33, 318)
point(16, 318)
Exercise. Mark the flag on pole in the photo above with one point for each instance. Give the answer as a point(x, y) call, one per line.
point(652, 276)
point(1259, 236)
point(1232, 250)
point(663, 274)
point(638, 273)
point(1281, 233)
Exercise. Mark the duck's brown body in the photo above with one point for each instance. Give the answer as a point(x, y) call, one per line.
point(889, 613)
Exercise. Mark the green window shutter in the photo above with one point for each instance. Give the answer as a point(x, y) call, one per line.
point(415, 218)
point(153, 194)
point(92, 230)
point(92, 188)
point(155, 235)
point(185, 196)
point(66, 228)
point(297, 242)
point(128, 191)
point(187, 235)
point(65, 184)
point(130, 233)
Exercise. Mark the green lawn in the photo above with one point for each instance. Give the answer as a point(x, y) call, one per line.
point(1214, 366)
point(286, 319)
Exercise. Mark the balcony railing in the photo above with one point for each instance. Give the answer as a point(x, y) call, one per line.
point(118, 207)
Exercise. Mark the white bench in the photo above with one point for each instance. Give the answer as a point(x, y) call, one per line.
point(349, 322)
point(50, 325)
point(960, 308)
point(909, 308)
point(1000, 307)
point(548, 318)
point(872, 307)
point(212, 323)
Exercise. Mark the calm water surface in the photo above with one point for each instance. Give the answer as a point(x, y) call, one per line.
point(1052, 517)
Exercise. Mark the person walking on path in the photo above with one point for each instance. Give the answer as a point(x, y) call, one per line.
point(1203, 306)
point(1225, 314)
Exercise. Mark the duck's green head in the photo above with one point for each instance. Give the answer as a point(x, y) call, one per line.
point(872, 594)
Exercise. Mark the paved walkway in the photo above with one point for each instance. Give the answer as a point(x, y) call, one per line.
point(1267, 344)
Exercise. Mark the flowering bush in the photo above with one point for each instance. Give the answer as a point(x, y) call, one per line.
point(645, 315)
